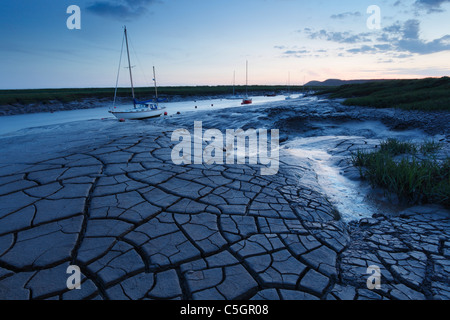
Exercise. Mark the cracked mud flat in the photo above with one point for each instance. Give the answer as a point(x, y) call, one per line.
point(105, 196)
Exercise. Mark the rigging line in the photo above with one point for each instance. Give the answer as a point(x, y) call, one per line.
point(118, 71)
point(138, 62)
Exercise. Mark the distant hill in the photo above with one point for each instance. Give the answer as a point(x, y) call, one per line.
point(336, 82)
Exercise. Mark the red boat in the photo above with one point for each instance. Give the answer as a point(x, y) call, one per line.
point(247, 101)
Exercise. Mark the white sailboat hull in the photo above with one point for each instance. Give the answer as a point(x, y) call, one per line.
point(138, 114)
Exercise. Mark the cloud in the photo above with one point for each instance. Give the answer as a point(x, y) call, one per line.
point(418, 6)
point(346, 15)
point(398, 40)
point(121, 9)
point(431, 5)
point(411, 29)
point(406, 38)
point(296, 53)
point(340, 37)
point(363, 49)
point(423, 47)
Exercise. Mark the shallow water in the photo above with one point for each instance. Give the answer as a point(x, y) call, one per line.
point(354, 199)
point(348, 196)
point(9, 124)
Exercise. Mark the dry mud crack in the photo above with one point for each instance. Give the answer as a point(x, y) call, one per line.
point(140, 227)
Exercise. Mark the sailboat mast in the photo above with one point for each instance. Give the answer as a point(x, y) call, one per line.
point(129, 67)
point(156, 87)
point(246, 78)
point(234, 82)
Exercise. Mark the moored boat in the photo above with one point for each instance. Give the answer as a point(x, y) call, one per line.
point(246, 100)
point(234, 96)
point(140, 109)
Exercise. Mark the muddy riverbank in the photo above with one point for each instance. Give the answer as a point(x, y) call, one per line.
point(107, 197)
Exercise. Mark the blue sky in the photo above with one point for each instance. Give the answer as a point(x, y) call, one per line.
point(203, 42)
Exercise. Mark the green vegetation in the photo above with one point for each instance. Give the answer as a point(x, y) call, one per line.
point(8, 97)
point(419, 94)
point(396, 168)
point(395, 147)
point(48, 95)
point(430, 147)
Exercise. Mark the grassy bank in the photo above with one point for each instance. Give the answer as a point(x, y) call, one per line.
point(410, 171)
point(419, 94)
point(10, 97)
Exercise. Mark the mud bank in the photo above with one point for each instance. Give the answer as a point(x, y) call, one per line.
point(105, 196)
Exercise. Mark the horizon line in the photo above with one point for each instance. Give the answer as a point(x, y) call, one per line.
point(228, 85)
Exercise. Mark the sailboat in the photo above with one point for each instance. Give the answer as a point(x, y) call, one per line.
point(234, 96)
point(141, 109)
point(246, 99)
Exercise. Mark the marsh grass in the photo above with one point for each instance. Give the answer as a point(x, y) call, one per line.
point(9, 97)
point(430, 147)
point(411, 179)
point(417, 94)
point(396, 147)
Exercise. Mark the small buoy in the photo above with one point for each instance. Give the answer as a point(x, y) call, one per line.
point(212, 105)
point(121, 120)
point(195, 107)
point(178, 112)
point(165, 113)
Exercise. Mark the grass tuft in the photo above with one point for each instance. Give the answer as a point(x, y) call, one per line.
point(416, 181)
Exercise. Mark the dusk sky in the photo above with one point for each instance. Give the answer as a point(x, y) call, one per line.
point(202, 42)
